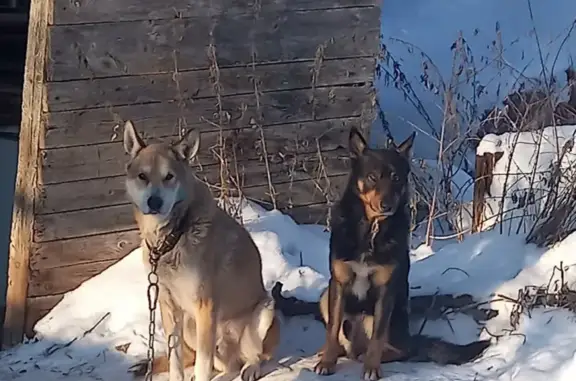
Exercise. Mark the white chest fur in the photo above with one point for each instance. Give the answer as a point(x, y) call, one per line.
point(361, 281)
point(361, 284)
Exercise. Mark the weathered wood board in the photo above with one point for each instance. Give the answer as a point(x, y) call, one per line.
point(273, 85)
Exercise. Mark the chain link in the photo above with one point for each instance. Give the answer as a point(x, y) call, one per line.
point(374, 229)
point(153, 289)
point(152, 302)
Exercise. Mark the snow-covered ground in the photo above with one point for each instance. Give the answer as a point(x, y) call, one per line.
point(77, 339)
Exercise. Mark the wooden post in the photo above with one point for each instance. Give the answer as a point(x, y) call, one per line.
point(484, 169)
point(31, 130)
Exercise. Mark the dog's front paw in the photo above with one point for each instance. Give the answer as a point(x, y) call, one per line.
point(325, 367)
point(139, 369)
point(371, 368)
point(251, 372)
point(372, 373)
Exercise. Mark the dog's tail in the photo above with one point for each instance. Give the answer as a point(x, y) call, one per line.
point(160, 365)
point(291, 306)
point(427, 348)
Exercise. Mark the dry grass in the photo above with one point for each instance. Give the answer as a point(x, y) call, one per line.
point(533, 105)
point(236, 128)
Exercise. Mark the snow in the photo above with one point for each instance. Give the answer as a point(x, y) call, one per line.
point(526, 167)
point(76, 340)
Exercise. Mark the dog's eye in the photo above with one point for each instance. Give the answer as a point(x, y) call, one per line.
point(372, 177)
point(169, 177)
point(142, 177)
point(394, 176)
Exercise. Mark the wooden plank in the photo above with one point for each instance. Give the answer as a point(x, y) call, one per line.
point(145, 47)
point(82, 223)
point(77, 195)
point(104, 160)
point(310, 214)
point(77, 251)
point(47, 281)
point(63, 279)
point(103, 125)
point(31, 130)
point(298, 193)
point(127, 90)
point(114, 246)
point(59, 256)
point(37, 308)
point(108, 191)
point(54, 279)
point(67, 12)
point(88, 222)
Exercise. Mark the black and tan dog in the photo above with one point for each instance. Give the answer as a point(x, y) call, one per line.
point(365, 307)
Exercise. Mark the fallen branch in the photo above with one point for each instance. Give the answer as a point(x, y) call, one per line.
point(556, 294)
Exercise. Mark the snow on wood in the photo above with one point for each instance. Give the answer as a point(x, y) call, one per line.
point(532, 176)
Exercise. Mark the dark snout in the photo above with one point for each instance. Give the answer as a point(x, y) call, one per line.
point(155, 204)
point(388, 206)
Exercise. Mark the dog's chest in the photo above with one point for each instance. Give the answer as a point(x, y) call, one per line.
point(362, 271)
point(187, 285)
point(184, 282)
point(361, 283)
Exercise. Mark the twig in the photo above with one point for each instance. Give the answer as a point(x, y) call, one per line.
point(56, 347)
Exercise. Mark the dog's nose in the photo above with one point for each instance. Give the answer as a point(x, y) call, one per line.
point(154, 203)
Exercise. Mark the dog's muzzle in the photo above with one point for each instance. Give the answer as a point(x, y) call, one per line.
point(388, 208)
point(154, 204)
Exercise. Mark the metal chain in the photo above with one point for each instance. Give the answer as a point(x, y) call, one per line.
point(152, 301)
point(374, 229)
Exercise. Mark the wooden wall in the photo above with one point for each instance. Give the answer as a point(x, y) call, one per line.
point(289, 79)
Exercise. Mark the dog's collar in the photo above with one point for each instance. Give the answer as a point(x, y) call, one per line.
point(170, 240)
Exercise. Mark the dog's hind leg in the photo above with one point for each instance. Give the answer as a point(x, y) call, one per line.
point(259, 339)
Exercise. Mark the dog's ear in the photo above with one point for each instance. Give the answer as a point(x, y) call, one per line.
point(405, 148)
point(356, 143)
point(187, 146)
point(133, 143)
